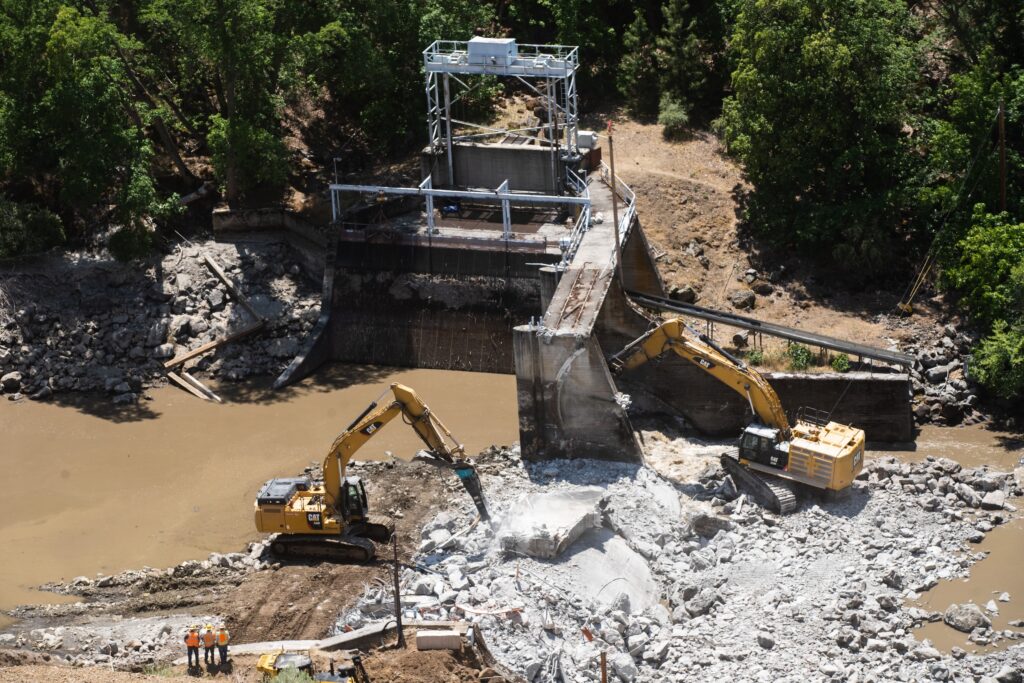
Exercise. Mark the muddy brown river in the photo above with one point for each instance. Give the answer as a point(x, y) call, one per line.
point(89, 488)
point(1003, 569)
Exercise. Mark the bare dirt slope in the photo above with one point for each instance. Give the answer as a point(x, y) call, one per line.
point(687, 196)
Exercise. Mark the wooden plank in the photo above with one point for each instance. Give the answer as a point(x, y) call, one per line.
point(209, 346)
point(231, 286)
point(177, 379)
point(201, 387)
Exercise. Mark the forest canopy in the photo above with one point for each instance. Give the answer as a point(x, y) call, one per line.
point(868, 130)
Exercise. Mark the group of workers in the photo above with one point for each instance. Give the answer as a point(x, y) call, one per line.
point(209, 640)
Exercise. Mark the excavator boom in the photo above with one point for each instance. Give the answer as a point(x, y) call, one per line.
point(442, 447)
point(819, 453)
point(331, 519)
point(675, 335)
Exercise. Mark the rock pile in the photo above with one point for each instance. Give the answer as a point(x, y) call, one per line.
point(86, 324)
point(942, 393)
point(674, 588)
point(128, 645)
point(104, 637)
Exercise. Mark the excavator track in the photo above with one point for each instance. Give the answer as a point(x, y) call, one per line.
point(311, 546)
point(775, 494)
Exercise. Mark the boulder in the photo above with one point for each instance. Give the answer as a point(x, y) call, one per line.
point(623, 666)
point(765, 640)
point(216, 300)
point(994, 500)
point(702, 602)
point(11, 382)
point(968, 495)
point(742, 299)
point(966, 617)
point(684, 294)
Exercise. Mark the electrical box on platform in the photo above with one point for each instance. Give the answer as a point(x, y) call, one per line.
point(492, 51)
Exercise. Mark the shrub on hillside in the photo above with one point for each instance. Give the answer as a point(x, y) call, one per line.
point(26, 229)
point(800, 356)
point(672, 117)
point(998, 361)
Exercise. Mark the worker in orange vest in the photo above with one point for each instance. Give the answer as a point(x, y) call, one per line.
point(192, 644)
point(209, 639)
point(223, 638)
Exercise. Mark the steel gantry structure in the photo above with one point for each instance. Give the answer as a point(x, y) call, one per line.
point(553, 65)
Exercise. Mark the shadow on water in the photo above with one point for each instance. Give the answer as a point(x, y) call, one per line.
point(103, 407)
point(254, 391)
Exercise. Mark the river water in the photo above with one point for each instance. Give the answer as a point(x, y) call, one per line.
point(89, 488)
point(1003, 569)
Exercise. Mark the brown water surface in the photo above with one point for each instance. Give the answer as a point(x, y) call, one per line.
point(91, 488)
point(1003, 569)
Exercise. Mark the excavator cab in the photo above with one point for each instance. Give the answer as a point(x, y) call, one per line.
point(763, 445)
point(354, 505)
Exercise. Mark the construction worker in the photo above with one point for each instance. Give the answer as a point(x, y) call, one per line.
point(209, 640)
point(223, 638)
point(192, 644)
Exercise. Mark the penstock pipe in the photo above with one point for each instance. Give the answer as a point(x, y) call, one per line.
point(471, 481)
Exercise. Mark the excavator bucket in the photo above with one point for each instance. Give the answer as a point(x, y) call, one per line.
point(471, 481)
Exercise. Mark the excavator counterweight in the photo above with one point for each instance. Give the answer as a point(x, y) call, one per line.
point(330, 519)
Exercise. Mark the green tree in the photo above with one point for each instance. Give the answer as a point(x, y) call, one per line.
point(821, 91)
point(990, 270)
point(638, 70)
point(998, 361)
point(691, 55)
point(239, 48)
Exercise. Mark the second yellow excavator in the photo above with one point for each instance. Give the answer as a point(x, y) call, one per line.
point(330, 519)
point(772, 454)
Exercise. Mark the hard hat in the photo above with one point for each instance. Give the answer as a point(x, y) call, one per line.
point(209, 627)
point(222, 627)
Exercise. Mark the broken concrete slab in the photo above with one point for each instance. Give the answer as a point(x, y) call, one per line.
point(604, 569)
point(544, 525)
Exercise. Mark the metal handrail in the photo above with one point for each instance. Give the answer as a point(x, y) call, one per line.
point(628, 196)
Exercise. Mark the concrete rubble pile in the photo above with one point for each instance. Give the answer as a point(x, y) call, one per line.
point(127, 645)
point(675, 589)
point(90, 324)
point(135, 643)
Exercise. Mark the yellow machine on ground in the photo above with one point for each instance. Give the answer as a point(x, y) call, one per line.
point(330, 519)
point(816, 452)
point(273, 663)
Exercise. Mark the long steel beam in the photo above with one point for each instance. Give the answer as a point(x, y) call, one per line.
point(771, 329)
point(515, 197)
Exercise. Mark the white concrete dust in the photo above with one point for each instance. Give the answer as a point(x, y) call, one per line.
point(544, 525)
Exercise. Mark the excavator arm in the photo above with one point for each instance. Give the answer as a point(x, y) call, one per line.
point(442, 447)
point(675, 335)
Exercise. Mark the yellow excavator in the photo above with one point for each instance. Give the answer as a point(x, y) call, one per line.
point(772, 455)
point(330, 519)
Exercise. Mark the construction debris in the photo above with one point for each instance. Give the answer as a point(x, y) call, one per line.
point(689, 587)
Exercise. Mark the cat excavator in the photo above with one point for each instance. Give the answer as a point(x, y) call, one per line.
point(330, 519)
point(773, 456)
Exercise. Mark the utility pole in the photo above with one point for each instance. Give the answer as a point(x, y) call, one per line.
point(398, 594)
point(1002, 155)
point(615, 206)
